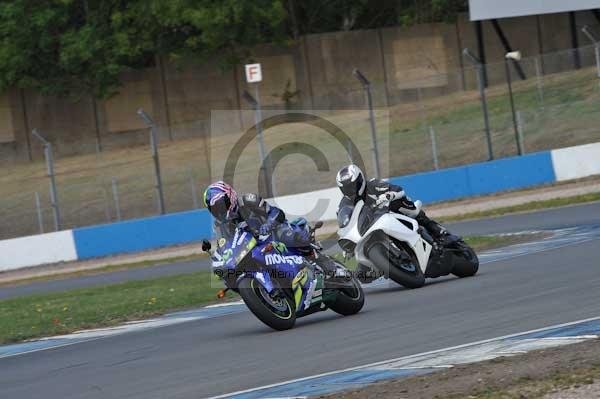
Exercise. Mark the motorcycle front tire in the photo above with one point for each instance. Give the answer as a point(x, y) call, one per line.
point(378, 254)
point(250, 291)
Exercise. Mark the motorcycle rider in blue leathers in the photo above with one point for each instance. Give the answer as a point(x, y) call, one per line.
point(261, 219)
point(229, 211)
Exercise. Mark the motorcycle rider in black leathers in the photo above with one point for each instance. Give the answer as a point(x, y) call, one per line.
point(354, 186)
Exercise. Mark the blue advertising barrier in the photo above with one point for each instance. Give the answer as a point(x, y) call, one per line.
point(442, 185)
point(480, 178)
point(142, 234)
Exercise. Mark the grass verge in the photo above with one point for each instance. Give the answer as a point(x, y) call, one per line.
point(101, 270)
point(526, 387)
point(528, 207)
point(63, 312)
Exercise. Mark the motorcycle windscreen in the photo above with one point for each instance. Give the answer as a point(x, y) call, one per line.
point(366, 219)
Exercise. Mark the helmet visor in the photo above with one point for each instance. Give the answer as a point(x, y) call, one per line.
point(220, 209)
point(350, 188)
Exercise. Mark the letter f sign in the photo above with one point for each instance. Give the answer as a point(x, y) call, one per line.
point(253, 73)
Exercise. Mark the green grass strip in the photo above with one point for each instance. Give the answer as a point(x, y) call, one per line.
point(63, 312)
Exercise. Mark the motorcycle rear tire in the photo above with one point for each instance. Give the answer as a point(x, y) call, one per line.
point(466, 264)
point(249, 291)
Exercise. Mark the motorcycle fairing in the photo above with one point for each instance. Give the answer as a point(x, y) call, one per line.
point(281, 260)
point(392, 224)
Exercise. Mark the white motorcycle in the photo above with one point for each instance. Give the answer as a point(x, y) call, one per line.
point(400, 249)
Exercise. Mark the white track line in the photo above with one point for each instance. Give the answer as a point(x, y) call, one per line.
point(370, 365)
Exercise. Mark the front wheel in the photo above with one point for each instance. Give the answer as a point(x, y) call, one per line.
point(348, 300)
point(278, 312)
point(407, 274)
point(466, 263)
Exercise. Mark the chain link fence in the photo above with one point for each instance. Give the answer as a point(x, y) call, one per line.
point(422, 125)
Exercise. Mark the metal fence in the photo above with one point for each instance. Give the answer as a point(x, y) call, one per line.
point(433, 123)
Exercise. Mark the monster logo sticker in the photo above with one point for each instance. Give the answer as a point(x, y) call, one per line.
point(279, 247)
point(227, 254)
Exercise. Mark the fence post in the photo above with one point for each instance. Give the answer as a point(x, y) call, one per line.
point(539, 80)
point(38, 208)
point(154, 147)
point(592, 37)
point(520, 130)
point(436, 164)
point(50, 168)
point(367, 87)
point(481, 82)
point(115, 192)
point(514, 56)
point(265, 169)
point(106, 204)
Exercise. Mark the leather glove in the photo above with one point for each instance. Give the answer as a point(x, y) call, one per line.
point(206, 246)
point(265, 229)
point(384, 199)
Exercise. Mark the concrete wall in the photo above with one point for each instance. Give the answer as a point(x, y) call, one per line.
point(425, 57)
point(331, 59)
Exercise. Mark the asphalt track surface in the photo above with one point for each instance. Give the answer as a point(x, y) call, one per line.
point(235, 352)
point(547, 219)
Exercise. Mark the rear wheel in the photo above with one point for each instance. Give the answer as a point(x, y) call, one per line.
point(278, 312)
point(466, 263)
point(348, 300)
point(405, 272)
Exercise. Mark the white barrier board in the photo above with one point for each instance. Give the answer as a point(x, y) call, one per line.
point(314, 206)
point(37, 250)
point(576, 162)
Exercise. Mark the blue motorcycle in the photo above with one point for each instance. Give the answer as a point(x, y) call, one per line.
point(280, 283)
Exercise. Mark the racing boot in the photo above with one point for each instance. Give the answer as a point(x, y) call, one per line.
point(436, 230)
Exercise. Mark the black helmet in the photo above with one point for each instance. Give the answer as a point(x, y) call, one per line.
point(351, 180)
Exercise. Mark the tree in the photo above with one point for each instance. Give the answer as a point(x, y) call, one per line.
point(82, 47)
point(77, 47)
